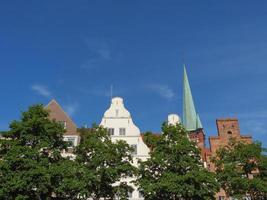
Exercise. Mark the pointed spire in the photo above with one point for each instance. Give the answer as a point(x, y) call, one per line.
point(199, 124)
point(191, 120)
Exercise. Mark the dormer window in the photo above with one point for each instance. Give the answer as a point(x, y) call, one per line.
point(122, 131)
point(111, 131)
point(70, 140)
point(63, 123)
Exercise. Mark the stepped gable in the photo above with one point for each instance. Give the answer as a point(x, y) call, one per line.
point(227, 128)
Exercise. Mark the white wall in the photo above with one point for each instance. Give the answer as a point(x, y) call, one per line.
point(117, 116)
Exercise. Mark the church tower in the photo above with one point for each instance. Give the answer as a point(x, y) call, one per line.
point(191, 120)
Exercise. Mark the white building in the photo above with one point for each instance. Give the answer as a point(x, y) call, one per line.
point(117, 119)
point(173, 119)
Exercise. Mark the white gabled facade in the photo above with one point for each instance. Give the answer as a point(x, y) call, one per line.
point(117, 119)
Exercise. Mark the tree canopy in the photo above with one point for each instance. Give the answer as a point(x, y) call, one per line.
point(28, 153)
point(241, 169)
point(108, 161)
point(174, 169)
point(32, 165)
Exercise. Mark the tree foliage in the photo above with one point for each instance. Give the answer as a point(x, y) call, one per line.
point(151, 139)
point(174, 169)
point(28, 153)
point(84, 132)
point(107, 161)
point(32, 165)
point(242, 170)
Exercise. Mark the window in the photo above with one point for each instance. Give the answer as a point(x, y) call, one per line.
point(134, 146)
point(221, 198)
point(63, 123)
point(111, 131)
point(229, 132)
point(122, 131)
point(130, 194)
point(140, 195)
point(71, 141)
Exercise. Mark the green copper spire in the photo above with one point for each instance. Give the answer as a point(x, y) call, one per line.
point(199, 124)
point(191, 120)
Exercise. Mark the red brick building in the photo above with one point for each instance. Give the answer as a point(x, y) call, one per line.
point(226, 129)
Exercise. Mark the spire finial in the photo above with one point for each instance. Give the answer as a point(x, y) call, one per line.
point(111, 91)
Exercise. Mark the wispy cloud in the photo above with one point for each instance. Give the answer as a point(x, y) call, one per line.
point(262, 114)
point(99, 52)
point(99, 91)
point(90, 64)
point(100, 48)
point(162, 90)
point(71, 109)
point(255, 122)
point(104, 51)
point(41, 90)
point(257, 127)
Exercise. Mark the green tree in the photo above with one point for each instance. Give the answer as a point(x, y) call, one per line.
point(242, 170)
point(29, 153)
point(107, 161)
point(84, 132)
point(151, 139)
point(174, 169)
point(69, 180)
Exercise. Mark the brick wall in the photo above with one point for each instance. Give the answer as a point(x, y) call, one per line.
point(227, 128)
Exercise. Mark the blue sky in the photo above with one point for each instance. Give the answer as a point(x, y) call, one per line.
point(74, 51)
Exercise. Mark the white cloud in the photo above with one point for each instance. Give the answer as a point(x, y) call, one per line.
point(162, 90)
point(96, 92)
point(41, 90)
point(260, 114)
point(70, 108)
point(99, 48)
point(89, 64)
point(99, 53)
point(254, 122)
point(257, 127)
point(104, 52)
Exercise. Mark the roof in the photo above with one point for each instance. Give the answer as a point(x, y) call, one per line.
point(57, 113)
point(191, 119)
